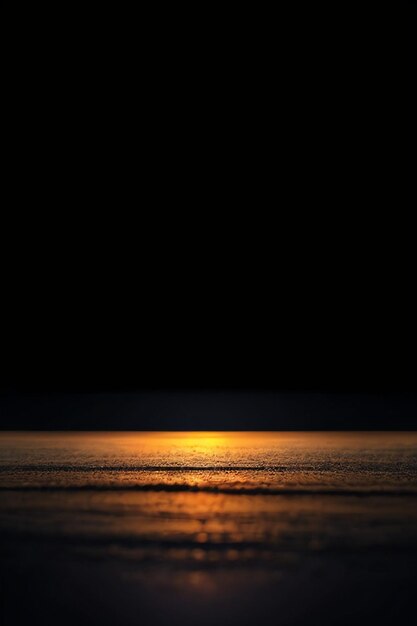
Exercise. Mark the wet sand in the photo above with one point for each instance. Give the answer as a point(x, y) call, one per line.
point(207, 528)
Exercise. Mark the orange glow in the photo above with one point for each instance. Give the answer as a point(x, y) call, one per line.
point(203, 498)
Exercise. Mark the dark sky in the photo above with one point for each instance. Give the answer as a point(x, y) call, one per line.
point(230, 215)
point(209, 410)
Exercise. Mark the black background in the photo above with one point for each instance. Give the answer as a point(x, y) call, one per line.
point(218, 202)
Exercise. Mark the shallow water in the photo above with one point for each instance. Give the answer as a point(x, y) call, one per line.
point(209, 515)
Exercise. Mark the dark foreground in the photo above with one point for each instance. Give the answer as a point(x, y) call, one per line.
point(45, 586)
point(210, 528)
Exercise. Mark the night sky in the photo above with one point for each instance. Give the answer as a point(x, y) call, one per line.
point(256, 245)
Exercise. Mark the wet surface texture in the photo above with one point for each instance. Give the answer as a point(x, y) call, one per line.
point(216, 527)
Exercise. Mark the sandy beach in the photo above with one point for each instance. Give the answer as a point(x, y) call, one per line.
point(208, 528)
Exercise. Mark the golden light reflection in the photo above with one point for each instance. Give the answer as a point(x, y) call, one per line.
point(202, 440)
point(208, 498)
